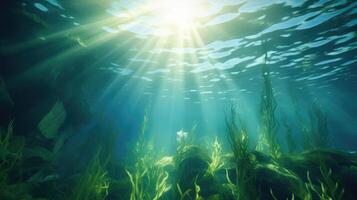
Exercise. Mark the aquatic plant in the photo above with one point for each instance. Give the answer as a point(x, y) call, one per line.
point(237, 136)
point(238, 139)
point(187, 193)
point(232, 186)
point(268, 105)
point(94, 182)
point(148, 178)
point(216, 157)
point(183, 194)
point(184, 142)
point(197, 190)
point(151, 183)
point(329, 189)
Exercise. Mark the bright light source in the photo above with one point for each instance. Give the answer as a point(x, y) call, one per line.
point(178, 12)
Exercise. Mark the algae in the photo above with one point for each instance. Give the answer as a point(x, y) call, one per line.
point(268, 105)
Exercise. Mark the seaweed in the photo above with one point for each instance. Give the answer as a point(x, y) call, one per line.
point(187, 193)
point(268, 105)
point(148, 180)
point(216, 158)
point(245, 178)
point(329, 189)
point(94, 182)
point(184, 142)
point(149, 183)
point(182, 194)
point(197, 190)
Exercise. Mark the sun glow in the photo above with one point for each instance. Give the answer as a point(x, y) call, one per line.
point(181, 13)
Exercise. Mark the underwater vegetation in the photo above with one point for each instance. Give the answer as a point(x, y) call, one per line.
point(75, 78)
point(244, 183)
point(148, 179)
point(93, 183)
point(268, 107)
point(249, 170)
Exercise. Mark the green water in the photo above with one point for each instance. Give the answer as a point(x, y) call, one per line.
point(178, 100)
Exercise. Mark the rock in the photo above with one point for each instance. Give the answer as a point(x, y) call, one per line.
point(282, 183)
point(312, 160)
point(191, 165)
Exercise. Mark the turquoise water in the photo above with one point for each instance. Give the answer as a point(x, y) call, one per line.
point(81, 75)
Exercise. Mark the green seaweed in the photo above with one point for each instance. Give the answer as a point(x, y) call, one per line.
point(184, 144)
point(217, 161)
point(197, 190)
point(238, 138)
point(152, 183)
point(183, 194)
point(94, 182)
point(148, 178)
point(329, 189)
point(268, 105)
point(187, 193)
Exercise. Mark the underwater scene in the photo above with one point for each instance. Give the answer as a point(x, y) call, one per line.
point(178, 100)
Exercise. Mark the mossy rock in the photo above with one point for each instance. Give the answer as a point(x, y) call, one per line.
point(271, 178)
point(192, 166)
point(343, 167)
point(194, 151)
point(209, 186)
point(312, 161)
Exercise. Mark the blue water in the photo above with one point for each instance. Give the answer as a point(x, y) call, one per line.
point(184, 77)
point(74, 73)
